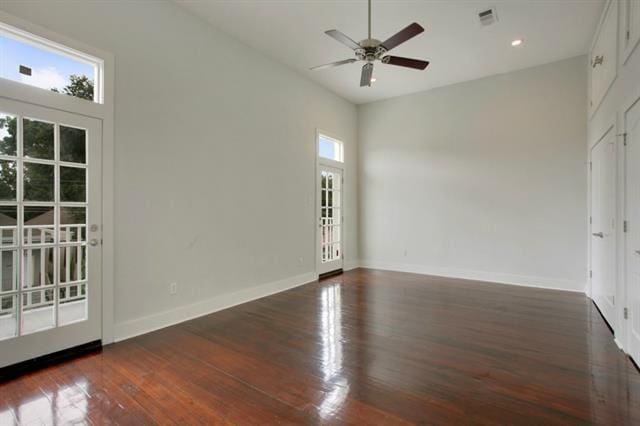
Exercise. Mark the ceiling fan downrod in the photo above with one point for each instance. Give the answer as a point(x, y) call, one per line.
point(369, 37)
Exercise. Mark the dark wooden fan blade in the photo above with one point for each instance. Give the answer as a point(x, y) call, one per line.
point(405, 62)
point(367, 73)
point(334, 64)
point(342, 38)
point(402, 36)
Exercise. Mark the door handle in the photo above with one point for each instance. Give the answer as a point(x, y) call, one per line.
point(598, 60)
point(94, 242)
point(638, 252)
point(598, 234)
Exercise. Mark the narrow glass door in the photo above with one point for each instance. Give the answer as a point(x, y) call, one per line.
point(330, 219)
point(50, 219)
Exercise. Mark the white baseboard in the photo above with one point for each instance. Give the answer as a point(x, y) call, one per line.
point(494, 277)
point(138, 326)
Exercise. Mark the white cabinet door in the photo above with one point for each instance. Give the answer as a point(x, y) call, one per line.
point(603, 236)
point(630, 27)
point(603, 57)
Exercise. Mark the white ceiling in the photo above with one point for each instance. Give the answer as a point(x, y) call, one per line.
point(459, 48)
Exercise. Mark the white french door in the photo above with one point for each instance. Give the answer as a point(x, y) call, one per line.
point(632, 120)
point(50, 219)
point(603, 202)
point(330, 219)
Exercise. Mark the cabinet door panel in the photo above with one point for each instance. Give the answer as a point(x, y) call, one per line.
point(603, 58)
point(630, 27)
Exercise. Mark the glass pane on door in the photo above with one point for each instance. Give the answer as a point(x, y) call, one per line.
point(43, 225)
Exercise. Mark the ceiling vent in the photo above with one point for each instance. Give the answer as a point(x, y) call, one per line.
point(488, 16)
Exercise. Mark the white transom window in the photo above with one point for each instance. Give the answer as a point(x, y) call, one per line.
point(28, 59)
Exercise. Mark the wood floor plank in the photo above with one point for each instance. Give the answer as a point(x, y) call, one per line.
point(364, 347)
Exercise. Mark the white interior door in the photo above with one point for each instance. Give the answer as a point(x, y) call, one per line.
point(330, 219)
point(603, 202)
point(632, 121)
point(50, 217)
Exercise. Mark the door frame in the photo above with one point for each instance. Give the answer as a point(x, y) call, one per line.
point(102, 111)
point(336, 165)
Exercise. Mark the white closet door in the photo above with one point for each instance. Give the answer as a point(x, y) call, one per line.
point(603, 196)
point(632, 120)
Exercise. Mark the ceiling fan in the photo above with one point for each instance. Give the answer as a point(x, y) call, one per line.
point(371, 50)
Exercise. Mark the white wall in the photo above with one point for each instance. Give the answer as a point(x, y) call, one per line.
point(214, 158)
point(624, 90)
point(484, 179)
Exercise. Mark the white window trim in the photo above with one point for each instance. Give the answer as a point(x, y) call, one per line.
point(103, 111)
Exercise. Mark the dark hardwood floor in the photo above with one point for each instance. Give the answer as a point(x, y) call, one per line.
point(365, 347)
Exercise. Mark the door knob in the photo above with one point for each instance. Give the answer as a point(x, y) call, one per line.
point(93, 242)
point(638, 252)
point(598, 234)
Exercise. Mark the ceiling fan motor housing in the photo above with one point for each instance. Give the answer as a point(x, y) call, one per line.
point(370, 50)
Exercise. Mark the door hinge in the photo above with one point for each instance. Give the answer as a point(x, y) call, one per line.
point(590, 274)
point(590, 165)
point(625, 226)
point(628, 35)
point(590, 220)
point(626, 313)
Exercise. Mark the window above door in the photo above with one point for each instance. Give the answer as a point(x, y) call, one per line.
point(330, 148)
point(28, 59)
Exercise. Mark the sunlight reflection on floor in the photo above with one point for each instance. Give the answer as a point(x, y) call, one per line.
point(332, 357)
point(66, 405)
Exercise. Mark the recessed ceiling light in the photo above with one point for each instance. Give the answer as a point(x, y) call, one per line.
point(516, 42)
point(373, 79)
